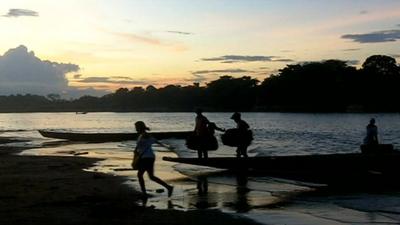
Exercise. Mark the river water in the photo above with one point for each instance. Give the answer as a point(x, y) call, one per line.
point(265, 199)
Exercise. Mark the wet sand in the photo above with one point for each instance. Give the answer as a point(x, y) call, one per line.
point(57, 190)
point(60, 182)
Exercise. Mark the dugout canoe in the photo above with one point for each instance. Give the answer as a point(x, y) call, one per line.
point(344, 172)
point(109, 137)
point(322, 165)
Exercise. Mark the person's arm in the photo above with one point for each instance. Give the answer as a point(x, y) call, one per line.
point(136, 149)
point(169, 147)
point(196, 124)
point(242, 125)
point(206, 121)
point(247, 126)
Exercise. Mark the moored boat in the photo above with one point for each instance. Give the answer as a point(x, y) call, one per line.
point(322, 168)
point(329, 162)
point(109, 137)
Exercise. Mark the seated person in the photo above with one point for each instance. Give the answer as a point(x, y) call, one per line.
point(372, 133)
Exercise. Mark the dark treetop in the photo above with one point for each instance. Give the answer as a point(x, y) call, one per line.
point(327, 86)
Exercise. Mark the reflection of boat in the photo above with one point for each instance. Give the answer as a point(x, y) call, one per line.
point(105, 137)
point(81, 112)
point(323, 168)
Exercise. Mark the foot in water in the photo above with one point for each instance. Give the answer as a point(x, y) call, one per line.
point(170, 190)
point(145, 196)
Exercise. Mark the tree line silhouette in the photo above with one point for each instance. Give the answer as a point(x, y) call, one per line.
point(327, 86)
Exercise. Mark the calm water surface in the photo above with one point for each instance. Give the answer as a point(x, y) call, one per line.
point(274, 134)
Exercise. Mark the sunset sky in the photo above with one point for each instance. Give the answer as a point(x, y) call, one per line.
point(91, 45)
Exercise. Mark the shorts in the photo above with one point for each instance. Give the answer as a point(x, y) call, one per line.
point(146, 164)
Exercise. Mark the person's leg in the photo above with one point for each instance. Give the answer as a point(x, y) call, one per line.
point(199, 154)
point(238, 152)
point(244, 151)
point(150, 172)
point(205, 154)
point(141, 180)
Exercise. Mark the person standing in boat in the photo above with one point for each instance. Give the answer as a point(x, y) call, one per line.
point(372, 133)
point(147, 158)
point(201, 133)
point(244, 134)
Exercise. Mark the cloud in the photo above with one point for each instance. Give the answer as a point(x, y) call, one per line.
point(350, 49)
point(352, 62)
point(77, 76)
point(21, 72)
point(363, 12)
point(113, 80)
point(196, 78)
point(149, 40)
point(201, 75)
point(21, 12)
point(348, 62)
point(138, 38)
point(220, 71)
point(374, 37)
point(122, 77)
point(179, 32)
point(247, 58)
point(283, 60)
point(239, 58)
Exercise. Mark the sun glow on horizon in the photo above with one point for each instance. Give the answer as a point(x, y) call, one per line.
point(140, 43)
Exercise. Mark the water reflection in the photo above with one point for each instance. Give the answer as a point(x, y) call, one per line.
point(144, 203)
point(202, 185)
point(274, 133)
point(203, 200)
point(242, 202)
point(232, 197)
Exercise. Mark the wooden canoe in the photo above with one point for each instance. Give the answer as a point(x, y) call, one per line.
point(307, 167)
point(109, 137)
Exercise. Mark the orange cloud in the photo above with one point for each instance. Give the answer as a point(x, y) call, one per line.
point(131, 37)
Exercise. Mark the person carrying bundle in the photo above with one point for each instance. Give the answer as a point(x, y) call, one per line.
point(240, 137)
point(243, 130)
point(203, 139)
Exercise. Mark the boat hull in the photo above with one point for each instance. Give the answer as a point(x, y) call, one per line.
point(335, 162)
point(110, 137)
point(316, 168)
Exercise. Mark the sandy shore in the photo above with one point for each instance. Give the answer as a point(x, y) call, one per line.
point(56, 190)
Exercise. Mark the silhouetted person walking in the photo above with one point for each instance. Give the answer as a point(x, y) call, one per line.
point(147, 158)
point(244, 135)
point(201, 132)
point(372, 133)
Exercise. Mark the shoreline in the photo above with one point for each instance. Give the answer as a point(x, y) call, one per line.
point(57, 190)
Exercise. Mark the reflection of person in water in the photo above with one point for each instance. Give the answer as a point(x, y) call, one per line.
point(202, 185)
point(147, 158)
point(242, 203)
point(243, 129)
point(372, 133)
